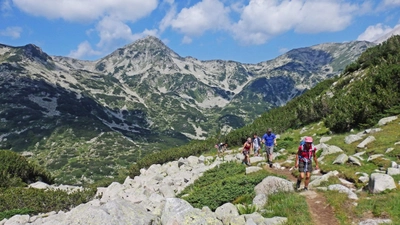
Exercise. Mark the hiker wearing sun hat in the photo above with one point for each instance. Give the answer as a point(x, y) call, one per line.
point(305, 153)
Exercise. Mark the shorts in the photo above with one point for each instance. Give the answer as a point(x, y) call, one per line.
point(256, 149)
point(246, 152)
point(305, 167)
point(269, 150)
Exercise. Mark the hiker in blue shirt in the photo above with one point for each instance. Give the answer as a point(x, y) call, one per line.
point(269, 140)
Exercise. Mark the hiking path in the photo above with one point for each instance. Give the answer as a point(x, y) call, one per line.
point(321, 212)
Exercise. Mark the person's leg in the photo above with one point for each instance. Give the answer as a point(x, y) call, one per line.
point(299, 179)
point(268, 154)
point(271, 151)
point(307, 181)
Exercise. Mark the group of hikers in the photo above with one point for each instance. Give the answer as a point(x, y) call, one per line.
point(306, 152)
point(254, 144)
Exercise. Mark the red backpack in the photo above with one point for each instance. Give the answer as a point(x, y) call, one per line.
point(306, 154)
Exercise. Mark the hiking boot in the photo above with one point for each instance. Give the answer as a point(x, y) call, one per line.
point(298, 184)
point(305, 188)
point(270, 165)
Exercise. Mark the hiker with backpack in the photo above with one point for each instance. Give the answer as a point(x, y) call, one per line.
point(246, 151)
point(269, 140)
point(256, 145)
point(221, 148)
point(305, 154)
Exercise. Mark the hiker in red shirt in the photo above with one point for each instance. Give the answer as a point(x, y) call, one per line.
point(304, 155)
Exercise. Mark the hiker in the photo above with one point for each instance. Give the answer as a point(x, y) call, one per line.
point(269, 140)
point(256, 144)
point(304, 155)
point(246, 151)
point(221, 148)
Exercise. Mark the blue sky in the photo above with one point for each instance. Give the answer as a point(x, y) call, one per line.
point(247, 31)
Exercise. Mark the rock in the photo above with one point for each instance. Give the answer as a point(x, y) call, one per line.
point(366, 141)
point(342, 189)
point(341, 159)
point(252, 169)
point(353, 160)
point(260, 200)
point(375, 221)
point(327, 150)
point(386, 120)
point(324, 139)
point(372, 157)
point(272, 184)
point(393, 171)
point(380, 182)
point(352, 138)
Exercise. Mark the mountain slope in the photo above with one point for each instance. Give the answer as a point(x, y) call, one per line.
point(76, 116)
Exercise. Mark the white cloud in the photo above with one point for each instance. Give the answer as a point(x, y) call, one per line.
point(262, 20)
point(374, 32)
point(111, 33)
point(166, 21)
point(84, 50)
point(111, 30)
point(391, 2)
point(112, 18)
point(13, 32)
point(186, 40)
point(88, 10)
point(203, 16)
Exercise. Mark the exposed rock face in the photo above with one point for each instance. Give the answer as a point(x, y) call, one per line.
point(151, 199)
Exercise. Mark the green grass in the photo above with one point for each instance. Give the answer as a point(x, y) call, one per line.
point(343, 207)
point(290, 205)
point(385, 205)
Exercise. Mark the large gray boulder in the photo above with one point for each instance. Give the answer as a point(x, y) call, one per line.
point(380, 182)
point(272, 184)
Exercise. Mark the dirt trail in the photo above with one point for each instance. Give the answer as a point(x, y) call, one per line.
point(321, 211)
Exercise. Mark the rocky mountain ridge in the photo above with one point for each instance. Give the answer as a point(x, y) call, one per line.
point(68, 113)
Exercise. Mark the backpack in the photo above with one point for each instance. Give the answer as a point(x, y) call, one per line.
point(258, 141)
point(303, 149)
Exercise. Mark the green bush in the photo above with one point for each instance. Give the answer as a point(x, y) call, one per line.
point(16, 170)
point(40, 201)
point(222, 184)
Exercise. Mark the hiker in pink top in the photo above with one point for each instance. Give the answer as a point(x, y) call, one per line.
point(305, 153)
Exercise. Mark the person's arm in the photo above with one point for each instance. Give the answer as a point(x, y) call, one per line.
point(296, 163)
point(315, 159)
point(275, 141)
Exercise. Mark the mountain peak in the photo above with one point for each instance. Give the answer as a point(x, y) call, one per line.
point(33, 51)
